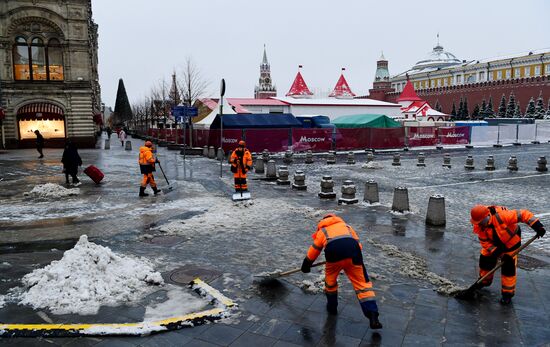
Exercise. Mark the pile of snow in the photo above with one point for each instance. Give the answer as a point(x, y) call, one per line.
point(372, 165)
point(87, 277)
point(179, 303)
point(52, 190)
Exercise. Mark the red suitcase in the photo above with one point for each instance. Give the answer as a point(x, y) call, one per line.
point(94, 173)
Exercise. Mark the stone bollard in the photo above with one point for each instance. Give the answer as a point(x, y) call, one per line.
point(512, 163)
point(220, 154)
point(205, 151)
point(271, 171)
point(396, 159)
point(107, 144)
point(287, 159)
point(265, 155)
point(283, 176)
point(541, 164)
point(351, 158)
point(370, 156)
point(331, 158)
point(211, 152)
point(400, 199)
point(348, 193)
point(229, 154)
point(421, 159)
point(469, 165)
point(299, 181)
point(327, 188)
point(436, 211)
point(447, 160)
point(128, 145)
point(309, 157)
point(371, 192)
point(259, 166)
point(490, 164)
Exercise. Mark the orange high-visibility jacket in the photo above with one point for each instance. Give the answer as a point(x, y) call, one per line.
point(242, 168)
point(505, 223)
point(331, 231)
point(146, 156)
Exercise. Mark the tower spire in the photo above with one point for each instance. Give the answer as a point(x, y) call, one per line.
point(264, 60)
point(265, 89)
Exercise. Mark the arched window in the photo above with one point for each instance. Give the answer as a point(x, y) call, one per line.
point(55, 60)
point(36, 61)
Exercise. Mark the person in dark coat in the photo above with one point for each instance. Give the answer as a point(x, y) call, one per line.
point(39, 143)
point(71, 161)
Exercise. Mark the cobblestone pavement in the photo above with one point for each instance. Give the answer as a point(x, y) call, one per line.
point(227, 243)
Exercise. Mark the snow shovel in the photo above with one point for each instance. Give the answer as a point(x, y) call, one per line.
point(469, 293)
point(241, 196)
point(274, 275)
point(169, 188)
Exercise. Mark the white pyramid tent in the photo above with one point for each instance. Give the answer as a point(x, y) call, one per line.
point(207, 121)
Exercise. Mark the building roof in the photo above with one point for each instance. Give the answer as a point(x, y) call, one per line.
point(408, 93)
point(335, 102)
point(421, 107)
point(342, 89)
point(437, 58)
point(365, 121)
point(299, 87)
point(272, 120)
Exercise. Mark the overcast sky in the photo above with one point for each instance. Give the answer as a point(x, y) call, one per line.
point(142, 42)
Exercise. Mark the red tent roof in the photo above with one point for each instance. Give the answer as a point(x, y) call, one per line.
point(408, 93)
point(299, 87)
point(342, 88)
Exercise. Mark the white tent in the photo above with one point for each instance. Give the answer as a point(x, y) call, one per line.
point(207, 121)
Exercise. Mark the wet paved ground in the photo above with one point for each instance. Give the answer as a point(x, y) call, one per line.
point(205, 233)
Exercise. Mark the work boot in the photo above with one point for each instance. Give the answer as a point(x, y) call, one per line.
point(156, 190)
point(332, 303)
point(506, 299)
point(373, 320)
point(142, 191)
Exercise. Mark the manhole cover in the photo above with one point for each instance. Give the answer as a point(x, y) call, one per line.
point(526, 262)
point(187, 273)
point(168, 240)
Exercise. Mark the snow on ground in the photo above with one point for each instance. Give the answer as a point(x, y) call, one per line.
point(2, 301)
point(144, 329)
point(52, 190)
point(87, 277)
point(179, 303)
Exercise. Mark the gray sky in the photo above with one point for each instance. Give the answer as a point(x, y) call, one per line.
point(143, 41)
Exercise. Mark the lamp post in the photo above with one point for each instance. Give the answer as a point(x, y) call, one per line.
point(222, 93)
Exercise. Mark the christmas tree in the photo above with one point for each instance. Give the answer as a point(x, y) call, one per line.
point(511, 109)
point(530, 111)
point(123, 111)
point(502, 107)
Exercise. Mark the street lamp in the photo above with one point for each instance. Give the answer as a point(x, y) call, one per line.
point(222, 93)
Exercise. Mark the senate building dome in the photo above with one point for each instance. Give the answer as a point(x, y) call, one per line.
point(438, 58)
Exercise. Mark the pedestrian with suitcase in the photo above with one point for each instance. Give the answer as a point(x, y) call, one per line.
point(71, 161)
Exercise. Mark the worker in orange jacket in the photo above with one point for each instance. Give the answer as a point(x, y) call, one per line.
point(241, 163)
point(500, 235)
point(342, 252)
point(147, 166)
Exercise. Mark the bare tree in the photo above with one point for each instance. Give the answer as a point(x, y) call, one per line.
point(191, 83)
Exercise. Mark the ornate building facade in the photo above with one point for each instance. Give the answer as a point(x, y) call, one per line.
point(48, 72)
point(265, 88)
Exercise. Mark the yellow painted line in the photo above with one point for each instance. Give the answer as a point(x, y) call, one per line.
point(213, 313)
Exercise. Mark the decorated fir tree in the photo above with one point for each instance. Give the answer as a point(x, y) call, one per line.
point(123, 111)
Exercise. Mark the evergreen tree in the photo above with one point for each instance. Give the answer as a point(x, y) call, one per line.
point(465, 112)
point(483, 106)
point(511, 109)
point(123, 111)
point(548, 110)
point(475, 112)
point(453, 111)
point(460, 113)
point(539, 108)
point(517, 112)
point(437, 106)
point(489, 111)
point(502, 107)
point(530, 110)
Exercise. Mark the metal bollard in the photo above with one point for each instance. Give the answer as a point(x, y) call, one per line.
point(327, 188)
point(283, 176)
point(331, 158)
point(400, 199)
point(436, 211)
point(371, 192)
point(348, 193)
point(447, 160)
point(259, 166)
point(205, 151)
point(370, 156)
point(512, 163)
point(421, 160)
point(271, 171)
point(396, 159)
point(128, 145)
point(107, 144)
point(309, 157)
point(469, 165)
point(299, 181)
point(490, 166)
point(541, 164)
point(220, 154)
point(351, 158)
point(211, 152)
point(287, 159)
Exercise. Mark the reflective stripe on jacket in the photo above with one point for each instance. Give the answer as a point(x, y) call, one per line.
point(338, 239)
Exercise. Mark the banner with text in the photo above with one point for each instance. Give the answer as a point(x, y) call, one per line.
point(274, 140)
point(422, 136)
point(316, 140)
point(454, 135)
